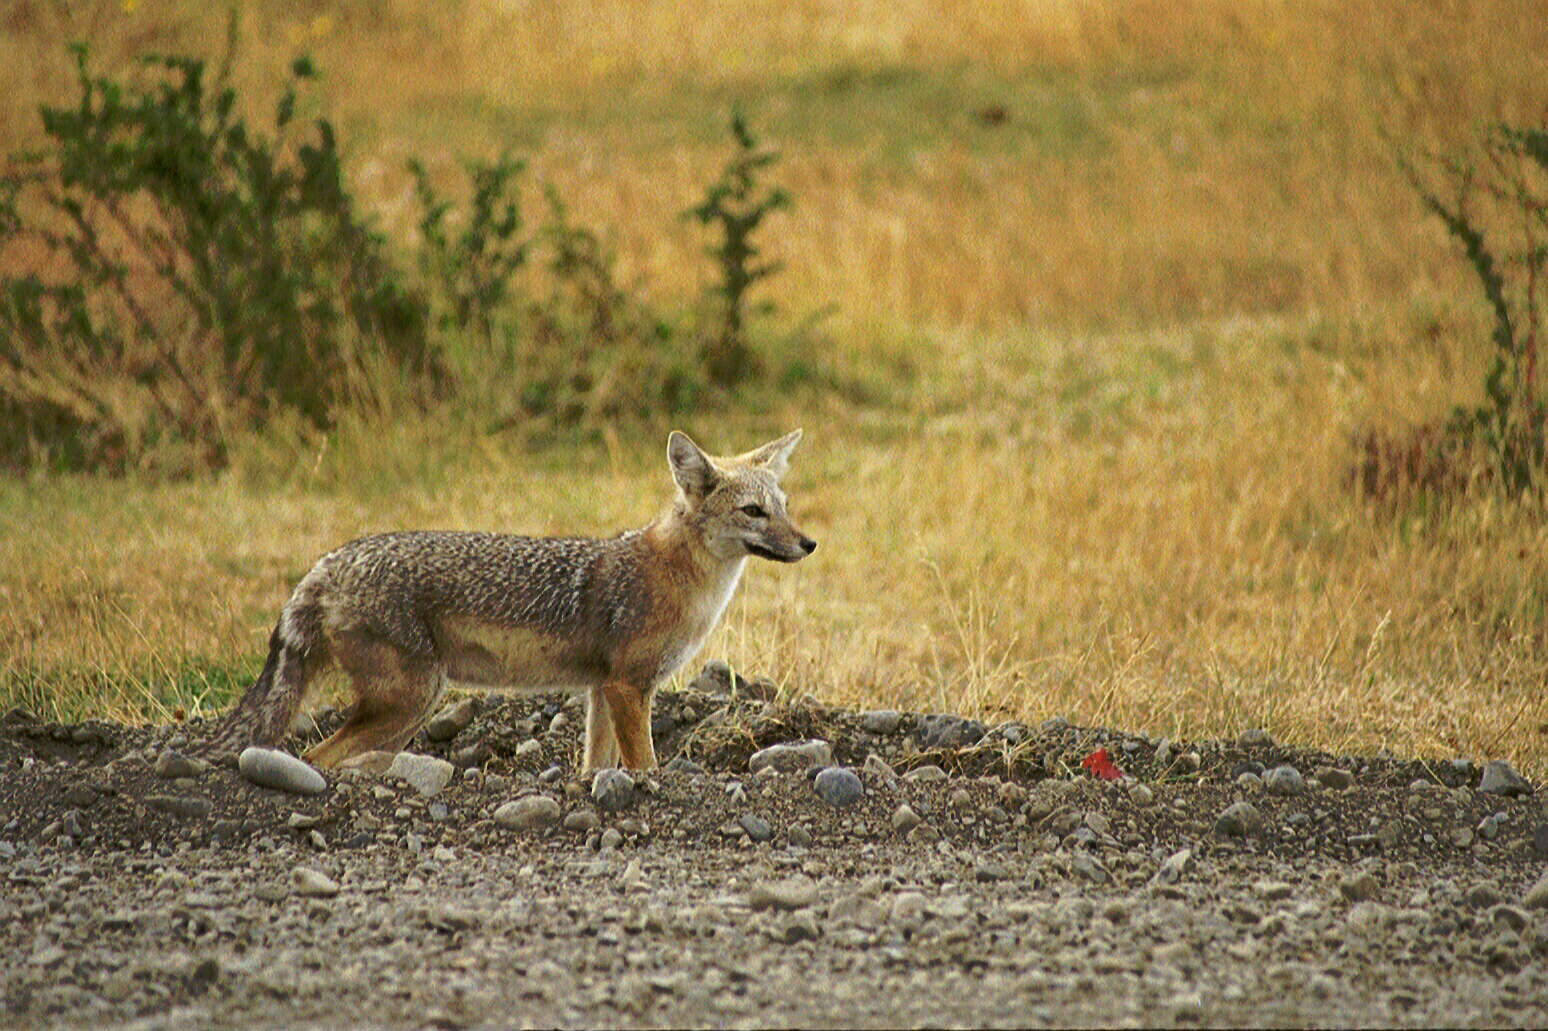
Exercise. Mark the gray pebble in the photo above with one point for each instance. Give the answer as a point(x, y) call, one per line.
point(839, 786)
point(1509, 916)
point(1175, 866)
point(799, 836)
point(1481, 896)
point(426, 774)
point(1254, 738)
point(790, 893)
point(1335, 778)
point(943, 730)
point(1239, 819)
point(792, 757)
point(1359, 887)
point(452, 720)
point(1084, 864)
point(70, 823)
point(313, 883)
point(172, 764)
point(989, 870)
point(881, 721)
point(531, 748)
point(271, 768)
point(925, 774)
point(856, 908)
point(757, 828)
point(714, 678)
point(582, 820)
point(1537, 896)
point(799, 927)
point(612, 789)
point(1500, 778)
point(904, 818)
point(182, 806)
point(876, 769)
point(908, 909)
point(1284, 780)
point(528, 813)
point(681, 764)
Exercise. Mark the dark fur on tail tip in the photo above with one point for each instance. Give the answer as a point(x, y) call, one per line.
point(249, 722)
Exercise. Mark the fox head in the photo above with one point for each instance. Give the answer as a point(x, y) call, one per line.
point(735, 504)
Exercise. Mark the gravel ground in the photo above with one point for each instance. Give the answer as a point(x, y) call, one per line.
point(978, 876)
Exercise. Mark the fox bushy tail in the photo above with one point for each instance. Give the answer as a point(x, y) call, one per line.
point(266, 711)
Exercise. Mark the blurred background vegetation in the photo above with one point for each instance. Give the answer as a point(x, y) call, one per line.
point(1141, 348)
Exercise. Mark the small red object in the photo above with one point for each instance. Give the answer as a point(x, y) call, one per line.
point(1102, 766)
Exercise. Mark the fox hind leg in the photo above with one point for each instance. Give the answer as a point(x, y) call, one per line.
point(395, 692)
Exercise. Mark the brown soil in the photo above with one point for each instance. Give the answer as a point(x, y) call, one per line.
point(1030, 894)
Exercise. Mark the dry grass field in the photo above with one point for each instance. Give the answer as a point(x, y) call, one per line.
point(1126, 277)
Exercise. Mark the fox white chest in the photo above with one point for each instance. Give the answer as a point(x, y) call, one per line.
point(700, 617)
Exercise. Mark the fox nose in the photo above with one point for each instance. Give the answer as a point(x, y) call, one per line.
point(808, 545)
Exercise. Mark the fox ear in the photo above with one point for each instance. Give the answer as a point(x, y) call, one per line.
point(775, 455)
point(691, 467)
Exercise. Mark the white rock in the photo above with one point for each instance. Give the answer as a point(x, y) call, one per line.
point(528, 813)
point(315, 883)
point(270, 768)
point(794, 757)
point(425, 773)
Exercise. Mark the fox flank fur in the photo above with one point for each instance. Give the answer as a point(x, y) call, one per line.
point(404, 613)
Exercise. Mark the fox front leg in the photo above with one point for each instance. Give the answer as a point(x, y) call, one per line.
point(630, 709)
point(601, 737)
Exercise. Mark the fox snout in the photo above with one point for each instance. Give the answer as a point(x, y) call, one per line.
point(792, 551)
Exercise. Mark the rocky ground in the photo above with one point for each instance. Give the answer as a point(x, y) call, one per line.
point(915, 870)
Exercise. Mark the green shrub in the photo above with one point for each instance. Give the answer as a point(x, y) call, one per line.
point(1495, 203)
point(186, 275)
point(183, 276)
point(736, 205)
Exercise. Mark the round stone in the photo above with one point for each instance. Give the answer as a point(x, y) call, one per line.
point(1284, 780)
point(839, 786)
point(612, 789)
point(528, 813)
point(1238, 820)
point(452, 720)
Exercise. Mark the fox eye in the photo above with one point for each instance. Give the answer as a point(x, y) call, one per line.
point(756, 511)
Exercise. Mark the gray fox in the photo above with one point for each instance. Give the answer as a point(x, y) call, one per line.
point(403, 613)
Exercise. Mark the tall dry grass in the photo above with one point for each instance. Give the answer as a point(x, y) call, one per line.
point(1156, 161)
point(1138, 317)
